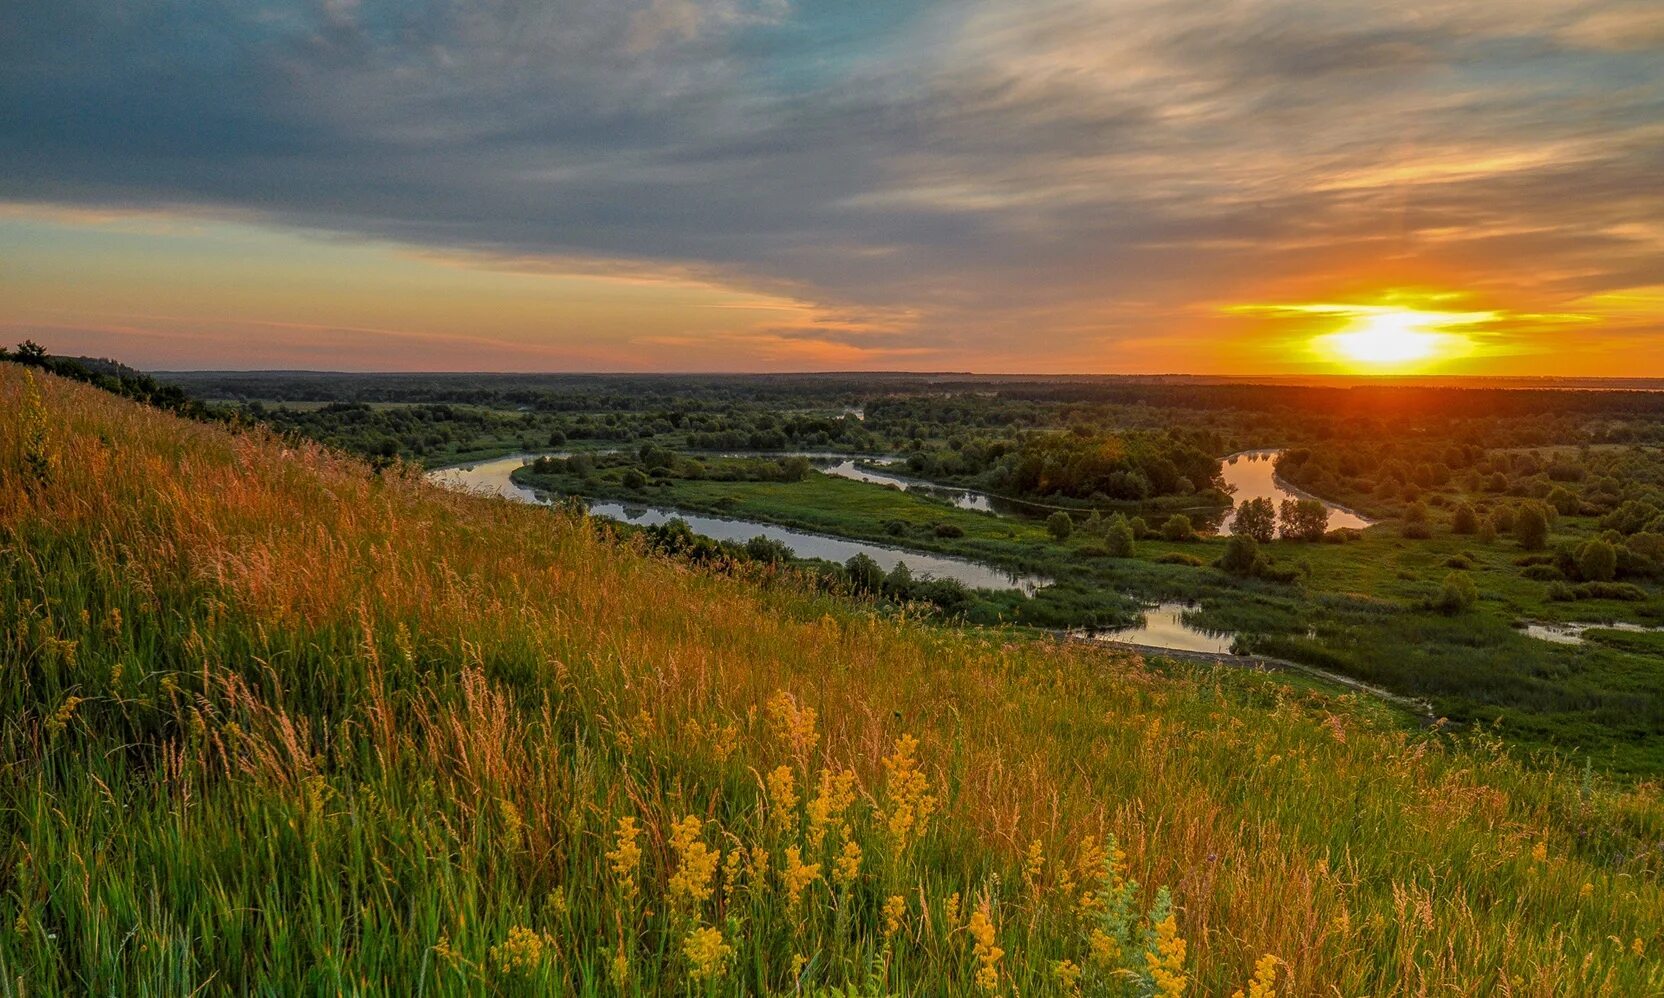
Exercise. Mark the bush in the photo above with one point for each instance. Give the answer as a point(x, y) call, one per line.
point(1597, 561)
point(1140, 529)
point(896, 528)
point(634, 479)
point(1343, 535)
point(1242, 553)
point(1464, 520)
point(1118, 538)
point(1178, 528)
point(1457, 594)
point(1543, 573)
point(1060, 526)
point(1531, 527)
point(1180, 558)
point(949, 530)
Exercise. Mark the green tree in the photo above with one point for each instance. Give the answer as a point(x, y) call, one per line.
point(1060, 526)
point(1564, 500)
point(1415, 522)
point(1118, 537)
point(865, 575)
point(634, 479)
point(1531, 527)
point(1597, 561)
point(1256, 518)
point(1304, 519)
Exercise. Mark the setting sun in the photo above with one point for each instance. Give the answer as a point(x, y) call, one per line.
point(1388, 336)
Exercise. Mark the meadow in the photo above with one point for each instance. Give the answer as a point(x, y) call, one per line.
point(271, 721)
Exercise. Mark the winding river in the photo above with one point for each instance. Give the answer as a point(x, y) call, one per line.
point(493, 478)
point(1253, 474)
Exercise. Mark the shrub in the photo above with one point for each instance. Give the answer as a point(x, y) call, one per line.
point(1140, 528)
point(634, 479)
point(1597, 561)
point(1241, 555)
point(1180, 558)
point(1531, 527)
point(1464, 520)
point(1060, 526)
point(1543, 573)
point(1343, 535)
point(949, 530)
point(1118, 538)
point(1457, 594)
point(1178, 528)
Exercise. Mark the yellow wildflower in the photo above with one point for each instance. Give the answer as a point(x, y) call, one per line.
point(1264, 982)
point(1586, 890)
point(849, 863)
point(707, 953)
point(1104, 950)
point(983, 949)
point(798, 875)
point(895, 908)
point(692, 881)
point(1165, 960)
point(619, 971)
point(794, 725)
point(836, 794)
point(907, 792)
point(782, 798)
point(1539, 852)
point(950, 910)
point(1034, 868)
point(1068, 974)
point(522, 952)
point(731, 873)
point(1638, 947)
point(625, 857)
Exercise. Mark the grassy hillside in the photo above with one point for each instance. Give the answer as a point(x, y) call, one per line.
point(270, 721)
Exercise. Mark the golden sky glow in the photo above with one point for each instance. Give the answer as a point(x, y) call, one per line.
point(1072, 186)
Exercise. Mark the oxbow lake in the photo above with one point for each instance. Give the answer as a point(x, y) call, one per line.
point(1254, 475)
point(493, 478)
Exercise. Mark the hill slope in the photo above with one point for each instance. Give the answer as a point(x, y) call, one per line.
point(267, 719)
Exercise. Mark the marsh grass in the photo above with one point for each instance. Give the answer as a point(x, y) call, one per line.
point(271, 722)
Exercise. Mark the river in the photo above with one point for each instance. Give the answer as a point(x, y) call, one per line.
point(1253, 473)
point(493, 478)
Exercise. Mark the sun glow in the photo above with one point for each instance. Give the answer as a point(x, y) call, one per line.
point(1382, 337)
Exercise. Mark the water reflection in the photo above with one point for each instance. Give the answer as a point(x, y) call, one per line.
point(1572, 634)
point(1164, 626)
point(1254, 475)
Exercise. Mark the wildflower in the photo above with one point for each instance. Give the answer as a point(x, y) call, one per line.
point(798, 876)
point(1638, 947)
point(1034, 867)
point(836, 794)
point(1586, 890)
point(849, 863)
point(625, 857)
point(782, 797)
point(724, 739)
point(619, 969)
point(522, 952)
point(1068, 974)
point(907, 792)
point(707, 953)
point(63, 715)
point(895, 908)
point(1264, 982)
point(512, 823)
point(983, 949)
point(756, 871)
point(1104, 950)
point(794, 725)
point(443, 950)
point(950, 910)
point(731, 873)
point(1165, 959)
point(112, 623)
point(691, 882)
point(1539, 852)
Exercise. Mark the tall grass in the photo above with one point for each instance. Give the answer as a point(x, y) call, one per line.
point(269, 721)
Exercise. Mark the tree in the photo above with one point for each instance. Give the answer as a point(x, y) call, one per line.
point(1304, 519)
point(1415, 522)
point(1242, 555)
point(1178, 528)
point(1464, 520)
point(1597, 561)
point(1458, 593)
point(1256, 518)
point(1118, 537)
point(634, 479)
point(865, 576)
point(1531, 527)
point(1563, 500)
point(1060, 526)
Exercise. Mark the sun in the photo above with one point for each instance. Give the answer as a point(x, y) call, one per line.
point(1392, 337)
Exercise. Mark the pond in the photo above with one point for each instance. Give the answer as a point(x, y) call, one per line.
point(1572, 634)
point(493, 477)
point(1163, 626)
point(1253, 473)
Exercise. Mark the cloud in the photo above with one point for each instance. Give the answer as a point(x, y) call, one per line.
point(993, 178)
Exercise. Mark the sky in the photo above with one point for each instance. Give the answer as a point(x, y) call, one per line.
point(1072, 186)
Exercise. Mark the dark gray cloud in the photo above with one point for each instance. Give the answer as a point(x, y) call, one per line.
point(981, 168)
